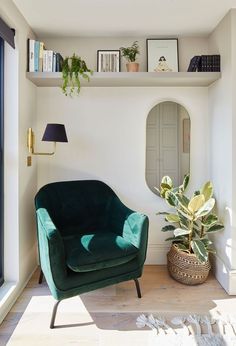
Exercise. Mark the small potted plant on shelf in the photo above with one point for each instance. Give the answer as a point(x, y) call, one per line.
point(73, 68)
point(129, 54)
point(191, 223)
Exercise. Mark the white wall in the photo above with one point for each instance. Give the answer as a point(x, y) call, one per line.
point(222, 145)
point(20, 113)
point(106, 129)
point(87, 48)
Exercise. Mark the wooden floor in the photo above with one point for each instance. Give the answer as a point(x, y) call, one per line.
point(107, 316)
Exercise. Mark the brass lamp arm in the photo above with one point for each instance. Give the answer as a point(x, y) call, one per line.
point(30, 144)
point(32, 152)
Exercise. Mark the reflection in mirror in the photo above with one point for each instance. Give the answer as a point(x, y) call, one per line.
point(167, 144)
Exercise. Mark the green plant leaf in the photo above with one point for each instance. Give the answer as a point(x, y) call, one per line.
point(183, 220)
point(209, 220)
point(162, 213)
point(183, 200)
point(167, 181)
point(206, 208)
point(215, 228)
point(187, 216)
point(196, 203)
point(206, 242)
point(172, 218)
point(181, 246)
point(186, 181)
point(196, 193)
point(168, 228)
point(207, 190)
point(165, 186)
point(199, 250)
point(180, 238)
point(171, 199)
point(181, 231)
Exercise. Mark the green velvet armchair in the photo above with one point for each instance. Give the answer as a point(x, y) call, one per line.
point(87, 238)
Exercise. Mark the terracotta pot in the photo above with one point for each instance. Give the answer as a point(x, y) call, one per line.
point(132, 67)
point(186, 268)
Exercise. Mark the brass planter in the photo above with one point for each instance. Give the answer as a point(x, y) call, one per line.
point(186, 268)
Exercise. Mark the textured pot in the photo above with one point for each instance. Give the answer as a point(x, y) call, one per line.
point(186, 268)
point(132, 67)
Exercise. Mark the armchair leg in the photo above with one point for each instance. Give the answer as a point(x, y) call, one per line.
point(40, 276)
point(138, 288)
point(54, 312)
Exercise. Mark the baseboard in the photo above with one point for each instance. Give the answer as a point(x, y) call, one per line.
point(14, 294)
point(225, 275)
point(156, 253)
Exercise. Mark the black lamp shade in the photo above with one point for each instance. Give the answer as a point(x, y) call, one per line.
point(55, 133)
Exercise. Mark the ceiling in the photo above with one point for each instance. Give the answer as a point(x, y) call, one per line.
point(123, 17)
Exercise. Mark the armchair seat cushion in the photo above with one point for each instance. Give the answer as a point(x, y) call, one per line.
point(90, 252)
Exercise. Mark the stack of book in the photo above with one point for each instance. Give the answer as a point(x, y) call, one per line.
point(41, 59)
point(204, 63)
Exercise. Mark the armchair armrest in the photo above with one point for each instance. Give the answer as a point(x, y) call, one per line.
point(131, 225)
point(51, 249)
point(135, 229)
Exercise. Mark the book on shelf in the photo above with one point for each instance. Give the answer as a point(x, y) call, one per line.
point(194, 63)
point(41, 59)
point(204, 63)
point(36, 56)
point(59, 61)
point(41, 49)
point(31, 44)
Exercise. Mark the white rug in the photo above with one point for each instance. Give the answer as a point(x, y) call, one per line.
point(191, 330)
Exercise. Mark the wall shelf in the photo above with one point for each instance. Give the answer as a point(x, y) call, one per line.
point(129, 79)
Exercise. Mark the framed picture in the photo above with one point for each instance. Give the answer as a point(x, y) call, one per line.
point(162, 55)
point(108, 61)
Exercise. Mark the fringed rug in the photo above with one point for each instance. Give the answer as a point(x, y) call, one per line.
point(191, 330)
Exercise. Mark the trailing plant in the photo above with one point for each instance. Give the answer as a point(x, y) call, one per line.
point(73, 68)
point(193, 219)
point(130, 53)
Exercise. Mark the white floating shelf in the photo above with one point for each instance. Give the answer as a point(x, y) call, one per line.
point(130, 79)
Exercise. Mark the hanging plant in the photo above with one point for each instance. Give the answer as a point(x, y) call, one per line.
point(73, 68)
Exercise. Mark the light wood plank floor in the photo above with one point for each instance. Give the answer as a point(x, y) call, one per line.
point(107, 316)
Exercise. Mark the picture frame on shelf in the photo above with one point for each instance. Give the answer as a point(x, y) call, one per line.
point(108, 60)
point(162, 55)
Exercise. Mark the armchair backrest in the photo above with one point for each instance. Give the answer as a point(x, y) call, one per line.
point(83, 204)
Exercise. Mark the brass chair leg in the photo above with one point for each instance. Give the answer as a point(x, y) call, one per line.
point(138, 288)
point(40, 276)
point(54, 312)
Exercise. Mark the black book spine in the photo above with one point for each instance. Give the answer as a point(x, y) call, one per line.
point(204, 63)
point(28, 54)
point(59, 61)
point(197, 63)
point(214, 63)
point(217, 63)
point(191, 64)
point(209, 67)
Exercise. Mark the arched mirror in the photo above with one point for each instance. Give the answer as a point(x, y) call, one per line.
point(167, 144)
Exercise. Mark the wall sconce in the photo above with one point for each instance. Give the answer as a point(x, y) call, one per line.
point(53, 133)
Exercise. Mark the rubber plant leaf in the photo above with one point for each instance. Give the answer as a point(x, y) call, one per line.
point(199, 250)
point(196, 203)
point(207, 190)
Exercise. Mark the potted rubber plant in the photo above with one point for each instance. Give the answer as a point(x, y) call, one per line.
point(130, 53)
point(192, 221)
point(73, 69)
